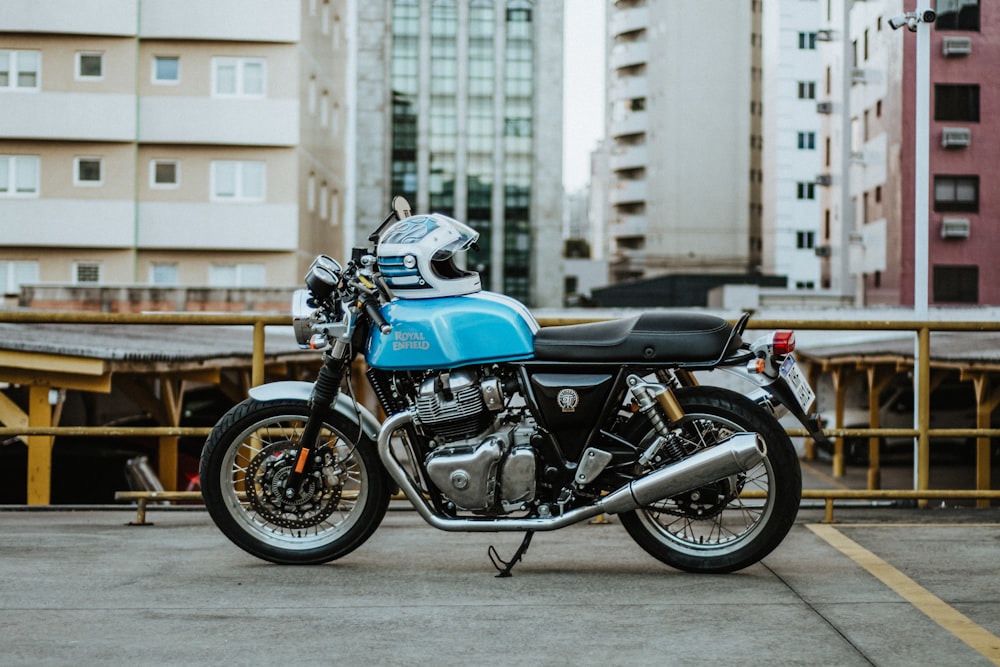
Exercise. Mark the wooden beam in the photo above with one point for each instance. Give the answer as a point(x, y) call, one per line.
point(97, 383)
point(10, 414)
point(52, 362)
point(39, 447)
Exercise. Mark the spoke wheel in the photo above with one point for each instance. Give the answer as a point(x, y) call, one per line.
point(735, 521)
point(245, 465)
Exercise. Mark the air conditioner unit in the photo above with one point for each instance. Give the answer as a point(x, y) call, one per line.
point(823, 251)
point(824, 179)
point(956, 46)
point(824, 35)
point(955, 137)
point(824, 107)
point(955, 228)
point(857, 75)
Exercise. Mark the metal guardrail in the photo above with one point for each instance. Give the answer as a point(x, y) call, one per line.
point(259, 322)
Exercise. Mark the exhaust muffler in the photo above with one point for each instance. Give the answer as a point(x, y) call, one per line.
point(737, 453)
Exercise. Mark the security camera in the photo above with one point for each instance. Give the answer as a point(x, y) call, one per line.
point(897, 22)
point(912, 19)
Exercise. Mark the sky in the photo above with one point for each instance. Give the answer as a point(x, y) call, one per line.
point(583, 88)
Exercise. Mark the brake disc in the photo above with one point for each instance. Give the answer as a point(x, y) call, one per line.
point(267, 475)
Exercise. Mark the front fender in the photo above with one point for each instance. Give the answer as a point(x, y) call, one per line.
point(345, 407)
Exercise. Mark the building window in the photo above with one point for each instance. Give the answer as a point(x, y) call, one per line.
point(957, 15)
point(166, 69)
point(163, 274)
point(806, 190)
point(807, 141)
point(236, 275)
point(18, 176)
point(89, 66)
point(13, 274)
point(805, 240)
point(807, 90)
point(164, 174)
point(956, 193)
point(87, 272)
point(239, 77)
point(956, 102)
point(88, 171)
point(956, 284)
point(236, 180)
point(20, 70)
point(807, 40)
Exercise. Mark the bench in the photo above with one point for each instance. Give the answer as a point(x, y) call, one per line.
point(143, 498)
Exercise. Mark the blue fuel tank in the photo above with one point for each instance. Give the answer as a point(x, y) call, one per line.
point(449, 332)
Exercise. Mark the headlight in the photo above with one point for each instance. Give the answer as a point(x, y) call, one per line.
point(302, 318)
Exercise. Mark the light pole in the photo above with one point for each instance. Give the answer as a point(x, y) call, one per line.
point(919, 22)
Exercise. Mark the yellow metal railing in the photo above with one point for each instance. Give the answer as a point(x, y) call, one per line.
point(923, 433)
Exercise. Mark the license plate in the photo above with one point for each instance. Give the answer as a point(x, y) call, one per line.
point(797, 382)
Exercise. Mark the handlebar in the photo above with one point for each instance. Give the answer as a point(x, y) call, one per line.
point(376, 315)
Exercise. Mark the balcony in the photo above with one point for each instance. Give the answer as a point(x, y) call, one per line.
point(69, 116)
point(628, 192)
point(71, 17)
point(628, 226)
point(635, 122)
point(628, 157)
point(629, 54)
point(235, 20)
point(206, 120)
point(629, 87)
point(629, 20)
point(207, 226)
point(78, 223)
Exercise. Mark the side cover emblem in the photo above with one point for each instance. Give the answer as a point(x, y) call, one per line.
point(568, 400)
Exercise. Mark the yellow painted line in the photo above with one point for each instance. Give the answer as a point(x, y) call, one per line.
point(934, 607)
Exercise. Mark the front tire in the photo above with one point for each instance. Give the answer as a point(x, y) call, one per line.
point(720, 527)
point(245, 459)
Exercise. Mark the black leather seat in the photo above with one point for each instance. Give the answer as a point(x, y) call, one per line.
point(655, 337)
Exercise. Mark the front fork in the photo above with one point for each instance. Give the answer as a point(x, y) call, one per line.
point(321, 402)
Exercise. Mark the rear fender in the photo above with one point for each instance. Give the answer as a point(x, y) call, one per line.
point(302, 391)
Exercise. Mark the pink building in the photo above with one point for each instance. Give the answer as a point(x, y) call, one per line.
point(869, 153)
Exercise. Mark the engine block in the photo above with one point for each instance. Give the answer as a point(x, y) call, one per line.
point(451, 406)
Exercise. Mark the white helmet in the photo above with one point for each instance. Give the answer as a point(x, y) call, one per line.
point(416, 257)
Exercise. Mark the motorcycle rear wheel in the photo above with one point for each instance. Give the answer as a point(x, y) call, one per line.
point(244, 461)
point(737, 531)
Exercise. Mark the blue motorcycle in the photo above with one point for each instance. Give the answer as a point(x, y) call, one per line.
point(495, 424)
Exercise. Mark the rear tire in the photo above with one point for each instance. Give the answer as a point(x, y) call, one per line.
point(716, 530)
point(247, 455)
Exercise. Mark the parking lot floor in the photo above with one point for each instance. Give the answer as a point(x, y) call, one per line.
point(882, 586)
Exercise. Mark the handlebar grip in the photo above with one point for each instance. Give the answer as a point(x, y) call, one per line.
point(376, 315)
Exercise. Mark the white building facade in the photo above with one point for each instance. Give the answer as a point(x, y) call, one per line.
point(793, 143)
point(684, 130)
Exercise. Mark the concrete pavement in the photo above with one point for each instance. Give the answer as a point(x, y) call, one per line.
point(882, 586)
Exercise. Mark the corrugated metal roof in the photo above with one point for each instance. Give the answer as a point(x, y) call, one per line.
point(144, 343)
point(947, 347)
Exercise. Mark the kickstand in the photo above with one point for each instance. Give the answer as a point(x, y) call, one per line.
point(507, 566)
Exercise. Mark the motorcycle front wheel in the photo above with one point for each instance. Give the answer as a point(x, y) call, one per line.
point(734, 522)
point(249, 454)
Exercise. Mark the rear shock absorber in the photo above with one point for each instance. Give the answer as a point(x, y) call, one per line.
point(657, 401)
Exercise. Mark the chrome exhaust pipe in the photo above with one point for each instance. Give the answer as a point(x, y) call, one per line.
point(737, 453)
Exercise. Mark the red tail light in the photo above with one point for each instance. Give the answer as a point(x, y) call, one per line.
point(783, 341)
